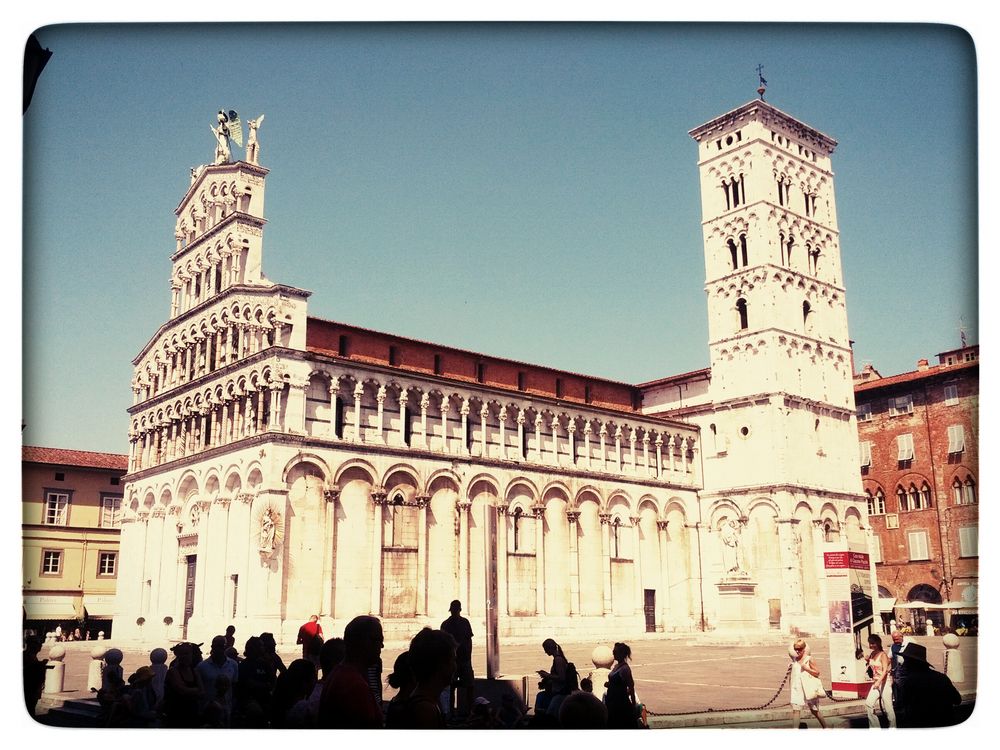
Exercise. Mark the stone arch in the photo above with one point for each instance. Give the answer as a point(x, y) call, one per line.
point(528, 487)
point(853, 529)
point(721, 510)
point(620, 503)
point(353, 470)
point(401, 473)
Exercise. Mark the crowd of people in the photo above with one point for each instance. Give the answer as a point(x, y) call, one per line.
point(337, 684)
point(905, 691)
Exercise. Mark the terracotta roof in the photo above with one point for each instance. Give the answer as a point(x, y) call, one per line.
point(63, 457)
point(909, 377)
point(704, 372)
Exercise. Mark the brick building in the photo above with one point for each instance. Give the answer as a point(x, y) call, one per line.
point(920, 468)
point(71, 518)
point(282, 465)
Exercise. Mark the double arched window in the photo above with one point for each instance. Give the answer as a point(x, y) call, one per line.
point(964, 492)
point(913, 498)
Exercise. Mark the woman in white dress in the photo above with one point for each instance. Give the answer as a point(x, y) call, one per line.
point(802, 664)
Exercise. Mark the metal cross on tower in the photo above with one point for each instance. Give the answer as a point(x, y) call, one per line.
point(762, 86)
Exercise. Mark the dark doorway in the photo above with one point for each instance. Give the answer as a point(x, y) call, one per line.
point(192, 564)
point(649, 609)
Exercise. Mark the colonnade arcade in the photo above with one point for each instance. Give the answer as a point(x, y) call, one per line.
point(401, 545)
point(374, 409)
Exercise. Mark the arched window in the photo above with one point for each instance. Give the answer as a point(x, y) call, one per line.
point(902, 498)
point(914, 498)
point(969, 489)
point(732, 252)
point(876, 503)
point(788, 250)
point(743, 249)
point(963, 493)
point(925, 496)
point(806, 310)
point(741, 308)
point(829, 532)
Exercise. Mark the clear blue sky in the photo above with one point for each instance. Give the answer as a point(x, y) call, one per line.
point(524, 191)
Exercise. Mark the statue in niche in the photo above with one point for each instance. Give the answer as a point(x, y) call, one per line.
point(732, 557)
point(253, 148)
point(266, 533)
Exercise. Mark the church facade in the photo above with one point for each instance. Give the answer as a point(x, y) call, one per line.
point(282, 465)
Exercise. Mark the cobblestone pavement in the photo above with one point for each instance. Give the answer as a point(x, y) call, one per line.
point(673, 675)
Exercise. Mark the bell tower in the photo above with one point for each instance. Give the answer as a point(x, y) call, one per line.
point(779, 349)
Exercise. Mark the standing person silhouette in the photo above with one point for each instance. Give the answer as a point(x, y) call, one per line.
point(460, 629)
point(620, 698)
point(347, 701)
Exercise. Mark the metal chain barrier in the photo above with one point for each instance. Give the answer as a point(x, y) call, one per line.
point(774, 697)
point(781, 687)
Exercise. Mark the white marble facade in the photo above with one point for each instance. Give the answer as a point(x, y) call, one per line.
point(269, 481)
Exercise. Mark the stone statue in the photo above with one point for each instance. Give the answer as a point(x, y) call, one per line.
point(267, 533)
point(222, 152)
point(732, 558)
point(253, 148)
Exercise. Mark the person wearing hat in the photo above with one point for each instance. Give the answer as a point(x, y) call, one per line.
point(140, 699)
point(925, 697)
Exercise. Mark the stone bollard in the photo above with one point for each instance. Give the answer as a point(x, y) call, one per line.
point(953, 666)
point(113, 676)
point(157, 662)
point(56, 670)
point(95, 672)
point(603, 659)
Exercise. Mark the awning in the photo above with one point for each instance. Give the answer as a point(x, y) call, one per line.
point(886, 603)
point(52, 607)
point(99, 605)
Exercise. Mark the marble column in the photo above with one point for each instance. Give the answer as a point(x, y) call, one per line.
point(539, 513)
point(330, 497)
point(378, 503)
point(359, 391)
point(484, 414)
point(463, 507)
point(502, 560)
point(663, 610)
point(401, 435)
point(380, 396)
point(637, 566)
point(606, 558)
point(425, 402)
point(445, 408)
point(573, 516)
point(502, 416)
point(422, 502)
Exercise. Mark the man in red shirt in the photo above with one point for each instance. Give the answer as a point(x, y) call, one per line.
point(347, 701)
point(307, 633)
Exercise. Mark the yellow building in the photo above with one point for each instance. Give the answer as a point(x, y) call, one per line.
point(71, 518)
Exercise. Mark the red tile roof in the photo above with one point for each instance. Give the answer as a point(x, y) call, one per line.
point(84, 459)
point(908, 377)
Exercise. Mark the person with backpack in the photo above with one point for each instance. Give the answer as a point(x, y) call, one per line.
point(620, 697)
point(556, 683)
